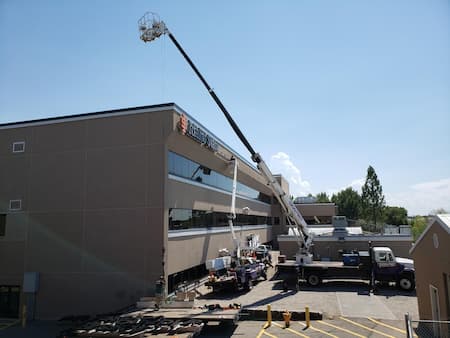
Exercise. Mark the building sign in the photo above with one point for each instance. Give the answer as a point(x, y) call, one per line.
point(189, 128)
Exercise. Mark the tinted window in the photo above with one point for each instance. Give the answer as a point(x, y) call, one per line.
point(188, 219)
point(183, 167)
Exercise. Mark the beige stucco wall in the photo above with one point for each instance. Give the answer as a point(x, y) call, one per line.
point(185, 250)
point(95, 199)
point(431, 264)
point(92, 210)
point(317, 209)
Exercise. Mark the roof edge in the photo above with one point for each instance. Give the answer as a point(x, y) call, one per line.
point(87, 115)
point(436, 219)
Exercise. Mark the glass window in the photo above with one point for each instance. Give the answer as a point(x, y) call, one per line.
point(183, 167)
point(187, 219)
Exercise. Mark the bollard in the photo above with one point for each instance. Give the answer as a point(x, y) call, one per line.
point(287, 318)
point(24, 315)
point(307, 319)
point(269, 315)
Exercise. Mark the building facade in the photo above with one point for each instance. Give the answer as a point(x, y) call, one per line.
point(95, 207)
point(431, 254)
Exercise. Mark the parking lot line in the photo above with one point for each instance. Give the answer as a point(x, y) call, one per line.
point(366, 327)
point(319, 330)
point(341, 328)
point(263, 331)
point(388, 326)
point(290, 330)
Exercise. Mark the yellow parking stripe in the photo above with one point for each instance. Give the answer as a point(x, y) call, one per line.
point(319, 330)
point(290, 330)
point(383, 324)
point(263, 331)
point(270, 335)
point(342, 329)
point(366, 327)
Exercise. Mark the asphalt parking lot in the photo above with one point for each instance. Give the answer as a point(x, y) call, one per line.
point(332, 299)
point(348, 309)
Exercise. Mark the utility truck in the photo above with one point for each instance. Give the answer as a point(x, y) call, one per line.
point(151, 28)
point(377, 265)
point(242, 271)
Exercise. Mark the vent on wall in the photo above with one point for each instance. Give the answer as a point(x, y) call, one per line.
point(15, 205)
point(18, 147)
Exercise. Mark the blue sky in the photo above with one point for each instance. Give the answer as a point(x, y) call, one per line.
point(322, 89)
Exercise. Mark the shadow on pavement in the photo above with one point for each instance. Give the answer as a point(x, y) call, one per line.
point(271, 299)
point(360, 287)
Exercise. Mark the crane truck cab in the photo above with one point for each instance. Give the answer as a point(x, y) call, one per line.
point(388, 268)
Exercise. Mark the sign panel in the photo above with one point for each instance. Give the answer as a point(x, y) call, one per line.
point(189, 128)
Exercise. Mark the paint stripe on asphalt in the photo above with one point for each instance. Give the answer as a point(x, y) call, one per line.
point(366, 327)
point(388, 326)
point(342, 329)
point(319, 330)
point(290, 330)
point(270, 335)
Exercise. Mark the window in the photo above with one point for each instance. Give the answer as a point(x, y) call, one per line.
point(2, 225)
point(15, 205)
point(18, 147)
point(187, 219)
point(183, 167)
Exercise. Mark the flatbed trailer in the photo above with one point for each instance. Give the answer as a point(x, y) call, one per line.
point(380, 266)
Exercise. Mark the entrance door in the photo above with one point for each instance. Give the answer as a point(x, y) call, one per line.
point(435, 312)
point(9, 301)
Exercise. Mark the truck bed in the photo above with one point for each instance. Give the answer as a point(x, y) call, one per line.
point(324, 269)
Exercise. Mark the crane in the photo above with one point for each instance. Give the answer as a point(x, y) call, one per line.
point(152, 27)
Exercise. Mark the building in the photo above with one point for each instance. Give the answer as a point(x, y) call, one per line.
point(431, 254)
point(331, 240)
point(95, 207)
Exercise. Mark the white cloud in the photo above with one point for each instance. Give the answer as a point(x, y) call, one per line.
point(421, 198)
point(281, 163)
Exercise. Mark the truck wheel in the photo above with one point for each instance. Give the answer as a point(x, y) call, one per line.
point(406, 283)
point(314, 280)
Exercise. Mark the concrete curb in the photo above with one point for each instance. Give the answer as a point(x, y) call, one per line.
point(251, 314)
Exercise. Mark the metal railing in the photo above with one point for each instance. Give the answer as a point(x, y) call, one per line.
point(426, 328)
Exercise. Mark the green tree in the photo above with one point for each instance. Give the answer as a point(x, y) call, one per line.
point(395, 215)
point(418, 225)
point(348, 202)
point(322, 197)
point(372, 197)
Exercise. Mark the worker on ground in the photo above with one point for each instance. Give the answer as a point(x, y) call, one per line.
point(160, 289)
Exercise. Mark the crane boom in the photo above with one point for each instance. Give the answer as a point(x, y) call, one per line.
point(151, 28)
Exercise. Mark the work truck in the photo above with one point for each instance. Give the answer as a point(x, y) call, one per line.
point(377, 265)
point(239, 277)
point(151, 28)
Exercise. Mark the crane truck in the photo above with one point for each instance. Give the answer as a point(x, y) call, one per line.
point(372, 268)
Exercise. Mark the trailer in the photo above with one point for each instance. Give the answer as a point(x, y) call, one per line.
point(378, 265)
